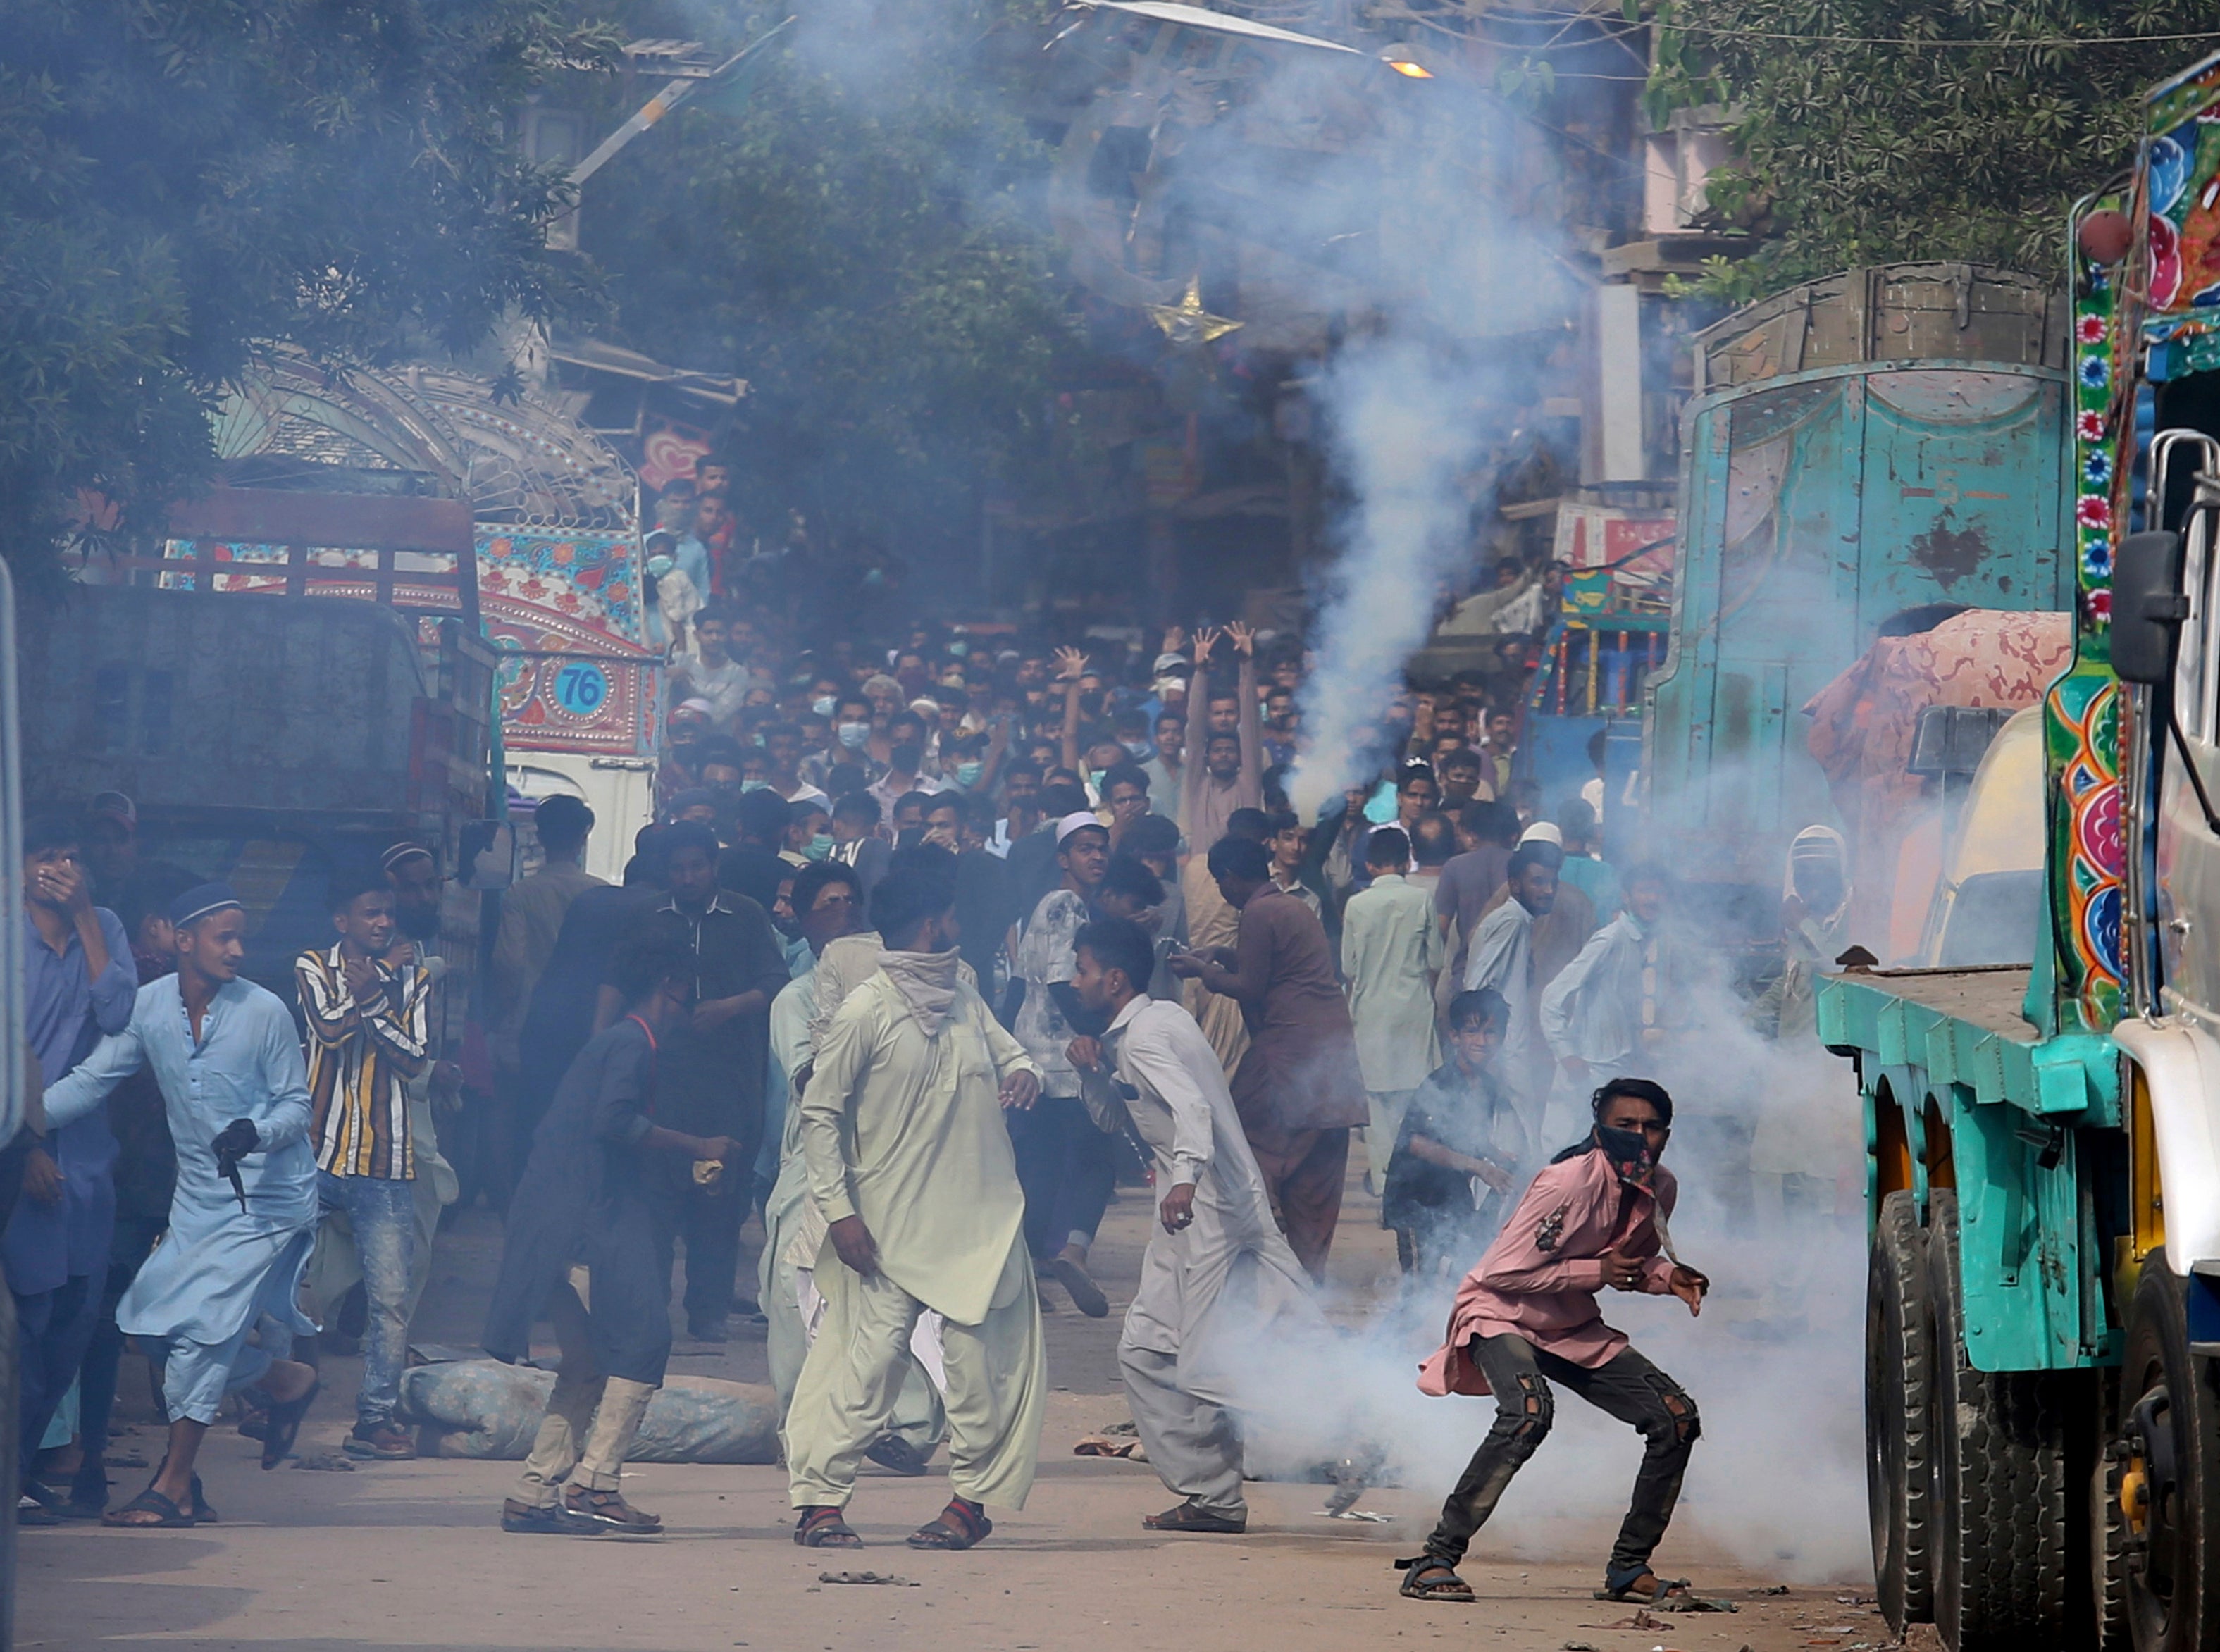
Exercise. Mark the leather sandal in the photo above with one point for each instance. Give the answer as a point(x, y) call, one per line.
point(1426, 1578)
point(962, 1525)
point(824, 1526)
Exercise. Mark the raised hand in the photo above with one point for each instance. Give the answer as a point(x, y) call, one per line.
point(1244, 640)
point(1071, 665)
point(1205, 640)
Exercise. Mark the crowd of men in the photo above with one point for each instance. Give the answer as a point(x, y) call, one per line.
point(927, 948)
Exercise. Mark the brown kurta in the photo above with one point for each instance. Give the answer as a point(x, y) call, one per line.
point(1211, 923)
point(1300, 1072)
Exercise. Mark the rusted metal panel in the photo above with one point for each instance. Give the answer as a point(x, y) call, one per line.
point(240, 703)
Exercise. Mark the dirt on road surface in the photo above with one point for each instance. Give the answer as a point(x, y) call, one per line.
point(410, 1556)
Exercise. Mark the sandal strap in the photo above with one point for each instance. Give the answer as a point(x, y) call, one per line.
point(967, 1523)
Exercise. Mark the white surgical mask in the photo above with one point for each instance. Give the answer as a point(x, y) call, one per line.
point(852, 735)
point(822, 706)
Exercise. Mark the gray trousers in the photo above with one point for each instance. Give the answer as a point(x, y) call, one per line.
point(1193, 1444)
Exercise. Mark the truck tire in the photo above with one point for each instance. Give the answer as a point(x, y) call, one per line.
point(1899, 1373)
point(2002, 1552)
point(2108, 1528)
point(2169, 1423)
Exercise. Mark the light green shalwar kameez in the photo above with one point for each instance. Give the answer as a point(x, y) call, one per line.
point(903, 1126)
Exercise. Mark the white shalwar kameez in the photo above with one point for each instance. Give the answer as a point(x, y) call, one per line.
point(1210, 1293)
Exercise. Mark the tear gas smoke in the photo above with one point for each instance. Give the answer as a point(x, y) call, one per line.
point(1406, 426)
point(1770, 1158)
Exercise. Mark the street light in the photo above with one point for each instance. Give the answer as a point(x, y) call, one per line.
point(1398, 58)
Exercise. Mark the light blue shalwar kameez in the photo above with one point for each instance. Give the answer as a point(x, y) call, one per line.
point(218, 1270)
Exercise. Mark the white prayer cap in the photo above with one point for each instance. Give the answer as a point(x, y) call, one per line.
point(1544, 831)
point(1078, 820)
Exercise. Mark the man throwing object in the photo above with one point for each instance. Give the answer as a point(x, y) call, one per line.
point(1528, 1313)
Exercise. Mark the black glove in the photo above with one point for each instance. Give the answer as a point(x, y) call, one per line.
point(235, 1141)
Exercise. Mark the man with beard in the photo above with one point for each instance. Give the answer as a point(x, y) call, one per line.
point(1505, 959)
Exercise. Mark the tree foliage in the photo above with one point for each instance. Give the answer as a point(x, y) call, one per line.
point(1870, 131)
point(180, 180)
point(854, 242)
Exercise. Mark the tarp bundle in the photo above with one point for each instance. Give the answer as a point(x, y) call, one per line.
point(483, 1408)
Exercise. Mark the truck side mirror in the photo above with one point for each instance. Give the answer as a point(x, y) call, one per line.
point(2149, 606)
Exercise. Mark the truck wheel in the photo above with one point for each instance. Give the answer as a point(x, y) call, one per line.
point(1899, 1370)
point(2000, 1459)
point(2169, 1478)
point(2108, 1528)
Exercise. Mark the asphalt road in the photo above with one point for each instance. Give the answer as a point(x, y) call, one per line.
point(409, 1555)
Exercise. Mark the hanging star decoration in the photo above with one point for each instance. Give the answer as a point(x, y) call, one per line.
point(1188, 323)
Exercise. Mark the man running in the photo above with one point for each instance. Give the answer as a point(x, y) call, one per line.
point(1217, 1269)
point(1528, 1313)
point(244, 1214)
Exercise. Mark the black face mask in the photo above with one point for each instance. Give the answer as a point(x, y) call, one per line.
point(1628, 1151)
point(418, 923)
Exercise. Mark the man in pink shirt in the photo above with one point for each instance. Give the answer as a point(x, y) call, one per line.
point(1593, 1218)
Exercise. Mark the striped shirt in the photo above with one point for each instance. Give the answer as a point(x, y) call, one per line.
point(359, 1061)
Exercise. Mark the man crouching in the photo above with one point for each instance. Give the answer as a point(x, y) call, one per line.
point(1595, 1217)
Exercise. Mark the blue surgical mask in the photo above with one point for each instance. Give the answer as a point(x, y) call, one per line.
point(658, 565)
point(820, 846)
point(852, 735)
point(753, 785)
point(822, 706)
point(1095, 779)
point(967, 774)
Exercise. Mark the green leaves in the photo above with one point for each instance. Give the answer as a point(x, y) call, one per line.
point(853, 241)
point(1863, 139)
point(180, 180)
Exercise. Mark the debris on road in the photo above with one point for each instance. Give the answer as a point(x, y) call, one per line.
point(891, 1579)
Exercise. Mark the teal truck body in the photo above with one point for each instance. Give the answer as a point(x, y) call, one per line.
point(2042, 1404)
point(1863, 454)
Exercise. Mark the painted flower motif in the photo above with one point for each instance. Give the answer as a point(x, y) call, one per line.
point(2096, 372)
point(564, 555)
point(2093, 510)
point(2101, 606)
point(2089, 329)
point(2097, 559)
point(2097, 470)
point(2089, 427)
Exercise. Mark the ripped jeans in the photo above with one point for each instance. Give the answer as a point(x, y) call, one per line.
point(1627, 1386)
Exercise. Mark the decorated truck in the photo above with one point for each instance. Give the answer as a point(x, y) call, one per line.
point(1865, 457)
point(2042, 1406)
